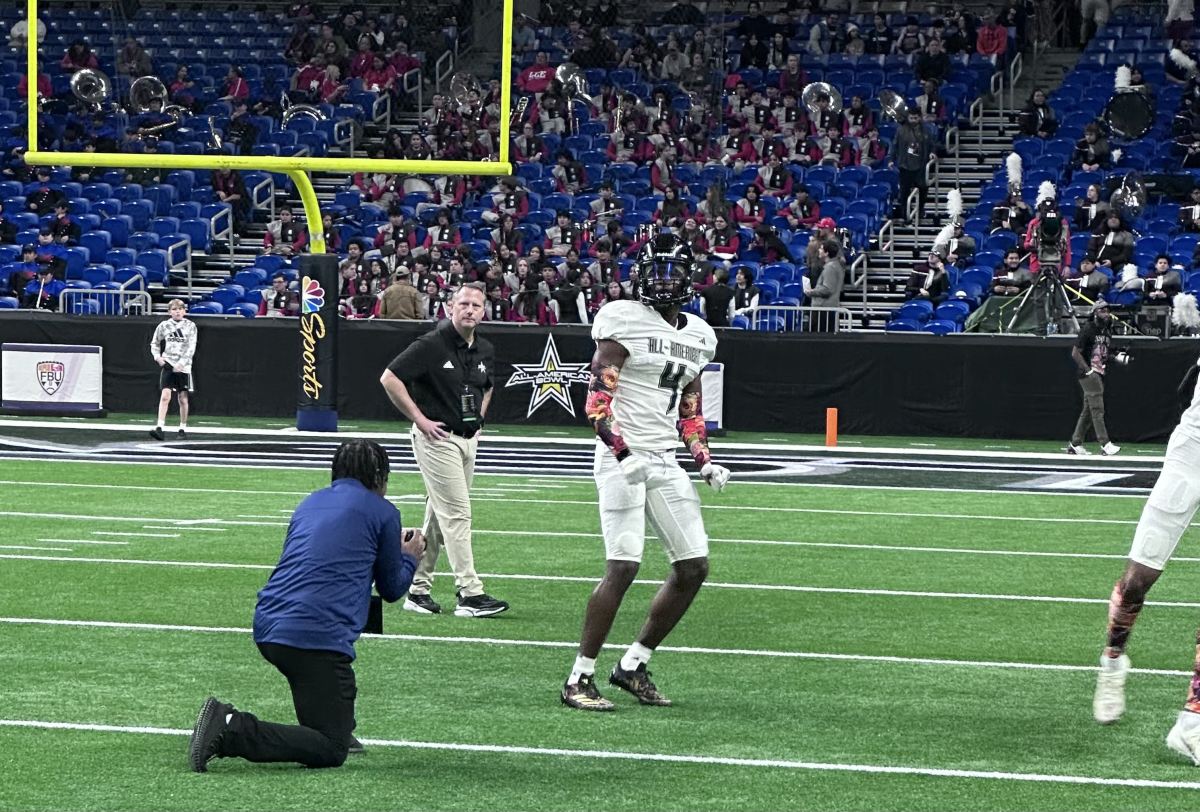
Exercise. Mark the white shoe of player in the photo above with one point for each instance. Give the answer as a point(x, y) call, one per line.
point(1108, 705)
point(1078, 450)
point(1184, 738)
point(1110, 448)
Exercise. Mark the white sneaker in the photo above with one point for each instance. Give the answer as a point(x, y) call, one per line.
point(1110, 448)
point(1078, 449)
point(1108, 705)
point(1185, 739)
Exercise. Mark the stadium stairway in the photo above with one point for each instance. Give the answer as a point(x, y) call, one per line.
point(982, 150)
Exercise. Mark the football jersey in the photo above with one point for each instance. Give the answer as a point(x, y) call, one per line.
point(1190, 420)
point(662, 361)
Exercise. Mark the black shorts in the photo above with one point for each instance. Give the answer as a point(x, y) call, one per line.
point(175, 381)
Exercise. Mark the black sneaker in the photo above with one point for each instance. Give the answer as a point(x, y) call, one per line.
point(205, 744)
point(355, 747)
point(637, 682)
point(181, 434)
point(422, 604)
point(156, 433)
point(479, 606)
point(584, 695)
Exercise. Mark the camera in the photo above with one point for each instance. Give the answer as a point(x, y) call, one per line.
point(1049, 240)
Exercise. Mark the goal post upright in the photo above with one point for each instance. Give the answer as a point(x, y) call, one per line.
point(295, 167)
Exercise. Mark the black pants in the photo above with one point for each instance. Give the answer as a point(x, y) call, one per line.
point(912, 179)
point(323, 691)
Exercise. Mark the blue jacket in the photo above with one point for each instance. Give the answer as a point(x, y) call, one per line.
point(340, 539)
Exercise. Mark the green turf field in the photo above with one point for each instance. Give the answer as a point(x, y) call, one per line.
point(837, 660)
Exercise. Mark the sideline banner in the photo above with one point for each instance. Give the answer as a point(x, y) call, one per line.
point(316, 405)
point(52, 379)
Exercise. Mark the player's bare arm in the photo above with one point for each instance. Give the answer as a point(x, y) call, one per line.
point(610, 357)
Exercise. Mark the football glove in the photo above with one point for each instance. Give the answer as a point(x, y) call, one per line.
point(635, 469)
point(717, 476)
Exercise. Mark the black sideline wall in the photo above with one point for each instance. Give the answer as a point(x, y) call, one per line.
point(982, 386)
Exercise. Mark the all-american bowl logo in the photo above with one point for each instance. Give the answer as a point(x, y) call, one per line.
point(50, 375)
point(551, 379)
point(312, 295)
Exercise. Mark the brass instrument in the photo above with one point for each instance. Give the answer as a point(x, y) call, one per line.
point(149, 95)
point(575, 87)
point(214, 137)
point(93, 88)
point(466, 92)
point(518, 113)
point(291, 111)
point(893, 106)
point(813, 90)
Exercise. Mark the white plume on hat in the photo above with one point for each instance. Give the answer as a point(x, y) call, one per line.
point(1184, 312)
point(1184, 61)
point(943, 238)
point(1129, 272)
point(1124, 78)
point(1046, 191)
point(1013, 164)
point(954, 205)
point(1116, 155)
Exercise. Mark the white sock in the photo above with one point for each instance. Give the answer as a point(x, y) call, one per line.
point(1110, 663)
point(1188, 719)
point(637, 655)
point(182, 425)
point(584, 667)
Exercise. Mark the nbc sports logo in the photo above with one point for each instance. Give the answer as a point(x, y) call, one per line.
point(312, 295)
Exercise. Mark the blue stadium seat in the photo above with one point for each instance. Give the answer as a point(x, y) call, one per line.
point(206, 309)
point(941, 327)
point(244, 309)
point(903, 326)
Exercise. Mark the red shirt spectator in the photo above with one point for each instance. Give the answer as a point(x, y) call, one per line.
point(992, 38)
point(536, 78)
point(45, 88)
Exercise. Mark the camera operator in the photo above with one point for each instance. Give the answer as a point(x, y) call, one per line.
point(1091, 354)
point(1048, 239)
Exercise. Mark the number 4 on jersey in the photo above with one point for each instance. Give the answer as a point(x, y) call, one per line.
point(672, 374)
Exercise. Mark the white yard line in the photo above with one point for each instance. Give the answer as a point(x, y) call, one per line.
point(135, 535)
point(843, 545)
point(29, 547)
point(567, 644)
point(188, 527)
point(667, 758)
point(580, 579)
point(83, 541)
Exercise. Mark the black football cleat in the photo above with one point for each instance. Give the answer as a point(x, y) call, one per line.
point(355, 747)
point(585, 696)
point(479, 606)
point(205, 743)
point(181, 434)
point(637, 682)
point(156, 433)
point(422, 604)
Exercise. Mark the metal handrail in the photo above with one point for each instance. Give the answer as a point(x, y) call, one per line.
point(952, 150)
point(996, 88)
point(806, 319)
point(440, 73)
point(976, 118)
point(123, 297)
point(885, 240)
point(858, 276)
point(413, 80)
point(1015, 69)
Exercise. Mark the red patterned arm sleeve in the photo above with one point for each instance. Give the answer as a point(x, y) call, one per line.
point(692, 429)
point(606, 372)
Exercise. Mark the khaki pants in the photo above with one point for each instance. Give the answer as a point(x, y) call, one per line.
point(1092, 413)
point(447, 467)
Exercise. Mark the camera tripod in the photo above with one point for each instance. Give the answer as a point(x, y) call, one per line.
point(1051, 303)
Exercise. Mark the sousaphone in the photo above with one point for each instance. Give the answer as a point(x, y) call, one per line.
point(813, 90)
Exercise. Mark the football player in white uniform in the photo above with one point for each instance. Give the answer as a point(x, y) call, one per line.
point(644, 396)
point(1167, 514)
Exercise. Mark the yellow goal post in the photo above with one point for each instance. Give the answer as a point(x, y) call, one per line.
point(296, 167)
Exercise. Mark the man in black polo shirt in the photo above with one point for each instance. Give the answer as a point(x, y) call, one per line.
point(443, 383)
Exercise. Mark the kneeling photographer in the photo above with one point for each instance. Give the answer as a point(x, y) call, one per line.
point(1091, 354)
